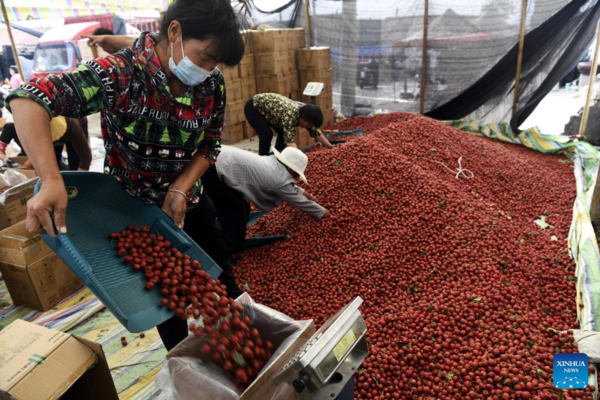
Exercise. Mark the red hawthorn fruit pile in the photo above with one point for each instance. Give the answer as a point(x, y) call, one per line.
point(229, 340)
point(463, 292)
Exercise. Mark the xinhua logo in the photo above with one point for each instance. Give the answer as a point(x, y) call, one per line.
point(570, 371)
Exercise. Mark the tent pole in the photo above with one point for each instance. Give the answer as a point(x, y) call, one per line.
point(306, 8)
point(520, 57)
point(588, 100)
point(12, 41)
point(424, 58)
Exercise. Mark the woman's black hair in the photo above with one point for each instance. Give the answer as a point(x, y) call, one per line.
point(14, 68)
point(312, 114)
point(209, 19)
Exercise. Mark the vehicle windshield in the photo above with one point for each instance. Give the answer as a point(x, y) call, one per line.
point(54, 57)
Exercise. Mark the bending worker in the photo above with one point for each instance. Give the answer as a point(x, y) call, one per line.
point(240, 176)
point(270, 110)
point(65, 131)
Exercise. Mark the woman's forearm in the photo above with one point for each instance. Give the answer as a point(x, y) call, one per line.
point(190, 174)
point(323, 140)
point(119, 40)
point(33, 127)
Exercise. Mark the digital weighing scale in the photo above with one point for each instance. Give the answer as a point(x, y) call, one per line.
point(313, 89)
point(324, 366)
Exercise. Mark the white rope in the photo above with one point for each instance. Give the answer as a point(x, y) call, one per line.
point(460, 171)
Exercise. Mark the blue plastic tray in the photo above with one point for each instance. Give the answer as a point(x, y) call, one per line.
point(99, 207)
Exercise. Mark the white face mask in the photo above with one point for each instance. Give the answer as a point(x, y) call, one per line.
point(186, 71)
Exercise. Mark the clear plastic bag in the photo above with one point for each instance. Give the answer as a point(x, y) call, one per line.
point(185, 376)
point(17, 183)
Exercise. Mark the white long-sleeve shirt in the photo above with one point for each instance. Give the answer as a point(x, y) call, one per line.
point(262, 180)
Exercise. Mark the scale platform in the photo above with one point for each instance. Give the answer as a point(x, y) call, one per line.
point(325, 364)
point(99, 205)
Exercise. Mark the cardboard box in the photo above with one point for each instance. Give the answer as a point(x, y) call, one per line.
point(273, 83)
point(246, 66)
point(229, 73)
point(271, 41)
point(324, 101)
point(296, 38)
point(234, 91)
point(248, 87)
point(43, 364)
point(234, 112)
point(294, 82)
point(233, 133)
point(314, 58)
point(324, 76)
point(249, 132)
point(275, 63)
point(33, 273)
point(302, 138)
point(14, 207)
point(249, 46)
point(328, 118)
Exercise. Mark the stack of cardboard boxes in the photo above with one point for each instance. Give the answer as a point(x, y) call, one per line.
point(233, 131)
point(43, 364)
point(314, 64)
point(275, 60)
point(34, 275)
point(247, 73)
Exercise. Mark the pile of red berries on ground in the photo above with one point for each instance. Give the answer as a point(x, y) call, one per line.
point(228, 338)
point(464, 292)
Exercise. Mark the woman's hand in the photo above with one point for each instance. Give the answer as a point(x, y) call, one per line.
point(174, 206)
point(96, 40)
point(51, 199)
point(110, 43)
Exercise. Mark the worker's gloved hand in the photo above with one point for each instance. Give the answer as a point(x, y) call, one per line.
point(174, 207)
point(52, 198)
